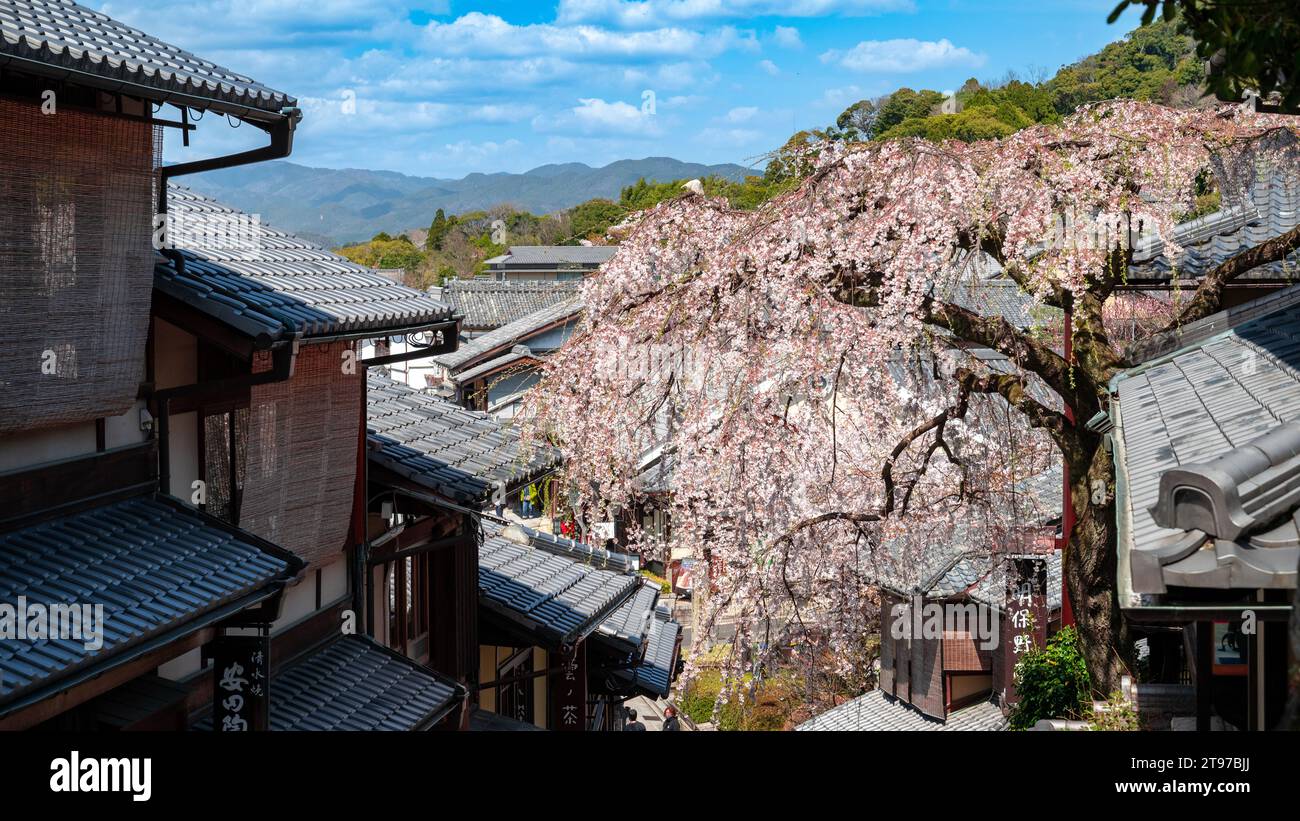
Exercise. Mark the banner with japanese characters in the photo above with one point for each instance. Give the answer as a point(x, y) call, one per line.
point(1024, 626)
point(569, 691)
point(241, 684)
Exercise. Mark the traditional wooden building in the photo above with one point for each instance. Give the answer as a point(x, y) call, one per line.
point(181, 438)
point(955, 617)
point(491, 372)
point(1204, 435)
point(260, 390)
point(562, 632)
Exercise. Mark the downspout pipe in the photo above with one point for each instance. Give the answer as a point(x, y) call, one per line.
point(281, 145)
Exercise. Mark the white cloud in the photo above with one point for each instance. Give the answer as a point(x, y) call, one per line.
point(770, 67)
point(670, 76)
point(211, 27)
point(904, 55)
point(787, 37)
point(359, 115)
point(488, 35)
point(684, 101)
point(593, 115)
point(841, 97)
point(648, 13)
point(741, 114)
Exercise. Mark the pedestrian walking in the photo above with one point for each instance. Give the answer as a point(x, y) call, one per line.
point(671, 723)
point(632, 725)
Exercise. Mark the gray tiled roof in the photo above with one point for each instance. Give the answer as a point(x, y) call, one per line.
point(555, 599)
point(63, 35)
point(353, 683)
point(628, 626)
point(961, 576)
point(654, 674)
point(460, 453)
point(1211, 326)
point(559, 545)
point(547, 255)
point(877, 711)
point(1201, 412)
point(490, 303)
point(1272, 207)
point(1001, 298)
point(493, 343)
point(157, 567)
point(268, 283)
point(519, 355)
point(991, 589)
point(560, 591)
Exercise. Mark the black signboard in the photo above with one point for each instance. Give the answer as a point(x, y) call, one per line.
point(241, 686)
point(1025, 615)
point(569, 691)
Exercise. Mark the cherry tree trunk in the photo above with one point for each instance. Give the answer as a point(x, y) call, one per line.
point(1090, 565)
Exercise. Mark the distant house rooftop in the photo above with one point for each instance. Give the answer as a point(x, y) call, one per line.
point(488, 304)
point(549, 261)
point(503, 340)
point(1270, 208)
point(58, 38)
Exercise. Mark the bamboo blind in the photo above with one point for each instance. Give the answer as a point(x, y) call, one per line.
point(76, 263)
point(301, 462)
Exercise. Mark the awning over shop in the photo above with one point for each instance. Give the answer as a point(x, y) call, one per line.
point(160, 570)
point(658, 666)
point(354, 683)
point(557, 601)
point(461, 454)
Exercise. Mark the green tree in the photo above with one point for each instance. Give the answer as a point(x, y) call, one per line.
point(438, 231)
point(902, 105)
point(593, 218)
point(1250, 45)
point(855, 122)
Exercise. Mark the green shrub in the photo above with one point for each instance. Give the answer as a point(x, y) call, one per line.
point(770, 708)
point(700, 695)
point(665, 587)
point(1118, 714)
point(1052, 682)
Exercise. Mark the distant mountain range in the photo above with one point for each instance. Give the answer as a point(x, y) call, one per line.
point(336, 206)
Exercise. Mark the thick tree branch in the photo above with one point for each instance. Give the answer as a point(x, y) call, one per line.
point(1209, 294)
point(990, 332)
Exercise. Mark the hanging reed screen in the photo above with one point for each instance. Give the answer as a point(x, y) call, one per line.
point(301, 462)
point(76, 263)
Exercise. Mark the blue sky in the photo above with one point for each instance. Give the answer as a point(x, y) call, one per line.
point(445, 88)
